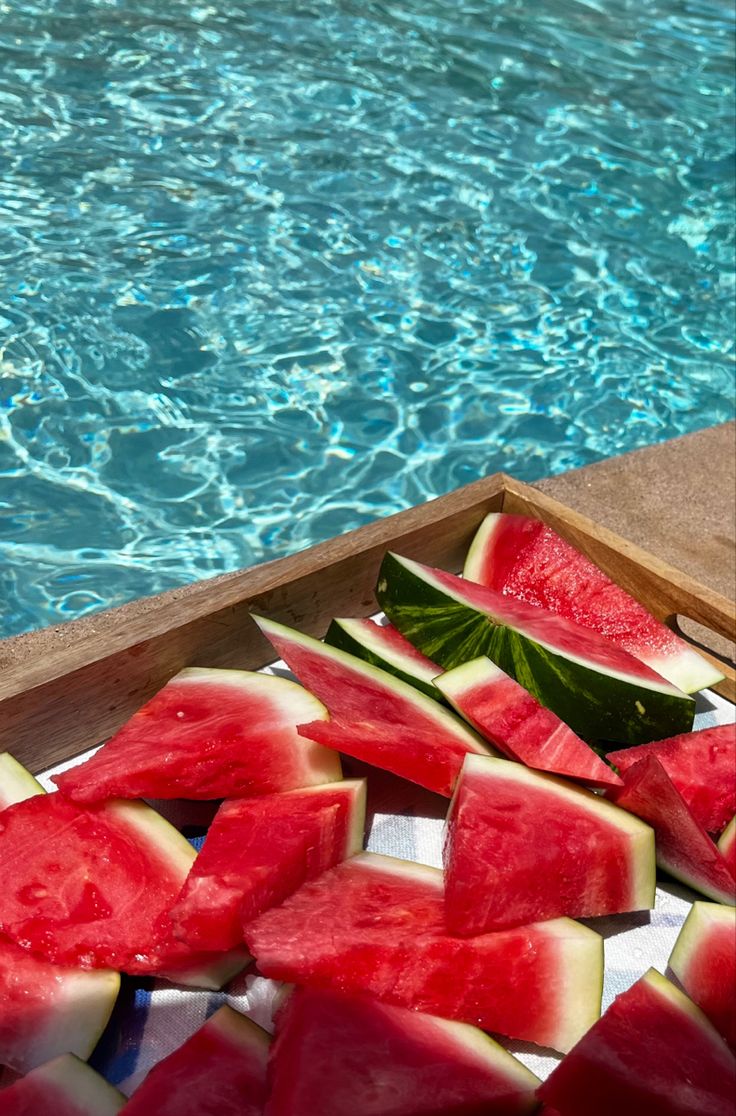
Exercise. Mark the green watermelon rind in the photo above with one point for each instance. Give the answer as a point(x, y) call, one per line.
point(73, 1080)
point(16, 783)
point(351, 636)
point(642, 850)
point(687, 670)
point(443, 718)
point(596, 703)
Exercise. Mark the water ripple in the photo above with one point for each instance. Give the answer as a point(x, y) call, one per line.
point(270, 270)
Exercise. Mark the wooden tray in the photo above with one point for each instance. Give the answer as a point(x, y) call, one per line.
point(64, 689)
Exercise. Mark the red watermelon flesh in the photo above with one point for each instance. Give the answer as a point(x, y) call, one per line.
point(702, 765)
point(727, 845)
point(65, 1086)
point(521, 847)
point(376, 717)
point(219, 1071)
point(209, 734)
point(92, 886)
point(258, 851)
point(653, 1053)
point(336, 1054)
point(684, 849)
point(515, 722)
point(704, 962)
point(47, 1010)
point(524, 559)
point(376, 925)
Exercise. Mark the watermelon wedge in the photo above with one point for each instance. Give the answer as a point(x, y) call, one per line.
point(513, 720)
point(258, 851)
point(376, 717)
point(47, 1010)
point(337, 1054)
point(385, 647)
point(684, 849)
point(375, 925)
point(653, 1053)
point(727, 845)
point(702, 765)
point(522, 846)
point(16, 784)
point(92, 887)
point(65, 1086)
point(704, 962)
point(219, 1071)
point(597, 689)
point(528, 561)
point(209, 734)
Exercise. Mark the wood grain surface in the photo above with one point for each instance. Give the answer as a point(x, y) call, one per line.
point(64, 689)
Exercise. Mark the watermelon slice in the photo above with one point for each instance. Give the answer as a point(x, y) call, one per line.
point(653, 1053)
point(727, 845)
point(684, 849)
point(209, 734)
point(376, 925)
point(219, 1071)
point(704, 962)
point(385, 647)
point(597, 689)
point(522, 847)
point(48, 1010)
point(92, 887)
point(376, 717)
point(702, 765)
point(258, 851)
point(16, 784)
point(337, 1054)
point(65, 1086)
point(514, 721)
point(526, 560)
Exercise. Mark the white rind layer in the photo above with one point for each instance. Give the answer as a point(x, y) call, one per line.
point(240, 1031)
point(369, 635)
point(83, 1087)
point(682, 1003)
point(701, 918)
point(16, 784)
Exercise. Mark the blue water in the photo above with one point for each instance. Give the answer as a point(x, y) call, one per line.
point(271, 269)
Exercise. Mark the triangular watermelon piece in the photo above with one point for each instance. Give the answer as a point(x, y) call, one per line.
point(704, 962)
point(65, 1086)
point(684, 849)
point(336, 1054)
point(258, 851)
point(702, 765)
point(376, 717)
point(385, 647)
point(91, 886)
point(568, 851)
point(219, 1071)
point(209, 734)
point(376, 925)
point(599, 690)
point(727, 845)
point(653, 1053)
point(47, 1010)
point(528, 561)
point(515, 722)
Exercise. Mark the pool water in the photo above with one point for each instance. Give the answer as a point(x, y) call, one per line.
point(271, 269)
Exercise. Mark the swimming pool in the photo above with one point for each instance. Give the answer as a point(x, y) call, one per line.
point(269, 270)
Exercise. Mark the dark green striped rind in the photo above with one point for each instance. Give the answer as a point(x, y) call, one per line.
point(596, 705)
point(338, 637)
